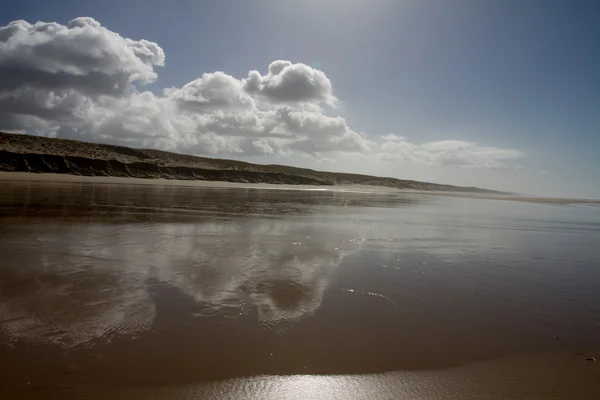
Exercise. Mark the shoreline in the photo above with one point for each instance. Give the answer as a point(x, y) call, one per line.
point(115, 180)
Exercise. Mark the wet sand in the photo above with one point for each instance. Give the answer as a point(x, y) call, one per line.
point(538, 376)
point(149, 291)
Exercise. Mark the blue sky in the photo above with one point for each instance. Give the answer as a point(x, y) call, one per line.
point(518, 79)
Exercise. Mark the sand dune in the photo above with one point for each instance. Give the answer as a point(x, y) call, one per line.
point(26, 153)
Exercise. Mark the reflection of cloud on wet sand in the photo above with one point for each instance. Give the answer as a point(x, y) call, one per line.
point(56, 293)
point(280, 268)
point(72, 286)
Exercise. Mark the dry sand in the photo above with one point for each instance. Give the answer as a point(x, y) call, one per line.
point(35, 177)
point(113, 180)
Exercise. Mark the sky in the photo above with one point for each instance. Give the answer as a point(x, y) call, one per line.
point(496, 94)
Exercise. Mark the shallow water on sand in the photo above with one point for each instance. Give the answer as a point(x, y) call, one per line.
point(136, 286)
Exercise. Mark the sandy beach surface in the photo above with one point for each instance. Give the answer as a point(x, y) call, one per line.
point(554, 375)
point(121, 288)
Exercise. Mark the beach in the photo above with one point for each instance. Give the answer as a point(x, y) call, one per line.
point(115, 288)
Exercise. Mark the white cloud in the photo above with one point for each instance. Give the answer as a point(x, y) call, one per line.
point(82, 55)
point(287, 82)
point(453, 153)
point(83, 81)
point(214, 91)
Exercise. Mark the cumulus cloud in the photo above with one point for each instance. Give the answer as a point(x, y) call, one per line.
point(81, 56)
point(83, 81)
point(213, 91)
point(287, 82)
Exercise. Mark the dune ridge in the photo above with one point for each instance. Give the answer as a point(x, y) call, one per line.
point(27, 153)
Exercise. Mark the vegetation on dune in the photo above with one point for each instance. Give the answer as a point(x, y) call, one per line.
point(26, 153)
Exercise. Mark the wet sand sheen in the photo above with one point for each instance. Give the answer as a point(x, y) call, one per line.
point(539, 376)
point(116, 286)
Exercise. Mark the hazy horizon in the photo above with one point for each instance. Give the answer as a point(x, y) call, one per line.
point(501, 96)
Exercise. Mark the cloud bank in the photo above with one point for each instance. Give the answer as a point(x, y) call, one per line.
point(83, 81)
point(454, 153)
